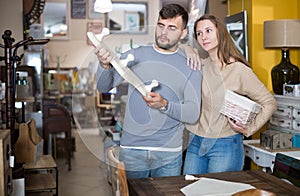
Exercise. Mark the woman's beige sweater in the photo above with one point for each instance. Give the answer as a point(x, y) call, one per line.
point(240, 79)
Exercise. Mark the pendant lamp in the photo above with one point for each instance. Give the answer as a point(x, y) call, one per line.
point(103, 6)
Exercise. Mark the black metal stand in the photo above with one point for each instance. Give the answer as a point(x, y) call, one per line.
point(12, 59)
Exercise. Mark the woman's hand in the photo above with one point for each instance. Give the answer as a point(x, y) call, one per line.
point(103, 56)
point(193, 58)
point(237, 126)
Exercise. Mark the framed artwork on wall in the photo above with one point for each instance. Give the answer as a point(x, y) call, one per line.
point(92, 13)
point(78, 9)
point(128, 18)
point(95, 27)
point(132, 21)
point(56, 20)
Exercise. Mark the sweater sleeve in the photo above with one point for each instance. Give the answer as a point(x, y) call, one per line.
point(257, 92)
point(188, 109)
point(106, 79)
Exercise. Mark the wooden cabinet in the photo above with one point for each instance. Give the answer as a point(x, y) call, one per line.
point(42, 176)
point(5, 170)
point(286, 118)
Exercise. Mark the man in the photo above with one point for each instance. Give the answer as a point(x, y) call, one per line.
point(151, 142)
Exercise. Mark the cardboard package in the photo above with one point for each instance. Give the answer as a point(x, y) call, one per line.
point(274, 139)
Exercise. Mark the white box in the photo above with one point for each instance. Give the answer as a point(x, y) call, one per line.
point(291, 90)
point(239, 108)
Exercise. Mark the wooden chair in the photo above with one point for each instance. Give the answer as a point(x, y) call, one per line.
point(117, 173)
point(287, 168)
point(104, 110)
point(57, 119)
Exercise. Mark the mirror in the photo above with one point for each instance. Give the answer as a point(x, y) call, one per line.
point(127, 17)
point(237, 27)
point(56, 19)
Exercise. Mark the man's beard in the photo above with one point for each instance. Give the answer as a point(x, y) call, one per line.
point(166, 46)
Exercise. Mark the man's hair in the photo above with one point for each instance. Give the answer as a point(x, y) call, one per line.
point(174, 10)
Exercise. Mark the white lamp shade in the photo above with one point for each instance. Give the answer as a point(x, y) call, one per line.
point(282, 33)
point(103, 6)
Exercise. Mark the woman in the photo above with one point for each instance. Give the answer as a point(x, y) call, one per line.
point(216, 142)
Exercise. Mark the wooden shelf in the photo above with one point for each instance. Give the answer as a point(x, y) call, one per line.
point(41, 177)
point(45, 162)
point(39, 194)
point(40, 182)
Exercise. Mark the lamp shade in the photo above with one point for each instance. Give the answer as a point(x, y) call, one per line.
point(282, 33)
point(103, 6)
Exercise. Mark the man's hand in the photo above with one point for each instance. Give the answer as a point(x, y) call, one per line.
point(103, 56)
point(155, 100)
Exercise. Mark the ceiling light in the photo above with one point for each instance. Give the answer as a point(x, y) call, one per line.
point(103, 6)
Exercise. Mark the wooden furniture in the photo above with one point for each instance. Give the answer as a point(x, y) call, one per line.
point(287, 117)
point(5, 170)
point(57, 119)
point(42, 176)
point(117, 173)
point(104, 109)
point(264, 157)
point(287, 168)
point(171, 185)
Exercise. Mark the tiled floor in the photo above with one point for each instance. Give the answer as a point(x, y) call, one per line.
point(88, 176)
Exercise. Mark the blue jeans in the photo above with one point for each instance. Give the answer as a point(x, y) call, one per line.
point(210, 155)
point(146, 163)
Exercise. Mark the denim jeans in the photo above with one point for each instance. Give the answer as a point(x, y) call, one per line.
point(210, 155)
point(146, 163)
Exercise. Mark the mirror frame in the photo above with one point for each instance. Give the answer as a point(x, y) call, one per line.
point(237, 27)
point(129, 14)
point(67, 22)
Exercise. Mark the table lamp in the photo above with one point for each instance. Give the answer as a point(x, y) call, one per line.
point(283, 34)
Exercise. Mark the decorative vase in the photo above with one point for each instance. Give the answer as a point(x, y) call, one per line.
point(284, 73)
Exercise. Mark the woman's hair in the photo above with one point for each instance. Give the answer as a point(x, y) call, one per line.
point(226, 47)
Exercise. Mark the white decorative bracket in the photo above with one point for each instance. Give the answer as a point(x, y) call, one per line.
point(121, 65)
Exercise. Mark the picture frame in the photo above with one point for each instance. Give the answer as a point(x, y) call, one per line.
point(117, 21)
point(92, 13)
point(237, 27)
point(56, 20)
point(132, 21)
point(78, 9)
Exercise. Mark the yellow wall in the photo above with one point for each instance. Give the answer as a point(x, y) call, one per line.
point(263, 60)
point(258, 11)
